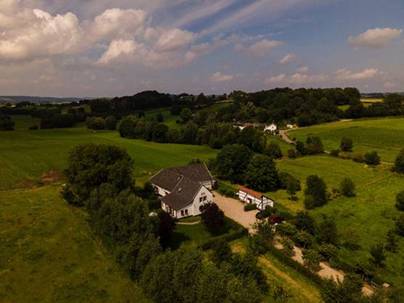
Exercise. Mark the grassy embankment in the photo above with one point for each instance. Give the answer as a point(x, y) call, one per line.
point(48, 253)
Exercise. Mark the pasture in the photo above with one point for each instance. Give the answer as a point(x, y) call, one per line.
point(374, 202)
point(385, 135)
point(26, 155)
point(48, 253)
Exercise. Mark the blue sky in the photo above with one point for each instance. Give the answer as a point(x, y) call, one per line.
point(109, 48)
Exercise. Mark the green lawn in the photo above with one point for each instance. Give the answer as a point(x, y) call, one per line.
point(384, 135)
point(169, 119)
point(197, 234)
point(49, 254)
point(364, 219)
point(26, 155)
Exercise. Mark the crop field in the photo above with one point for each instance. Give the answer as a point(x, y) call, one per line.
point(386, 135)
point(49, 254)
point(376, 189)
point(26, 155)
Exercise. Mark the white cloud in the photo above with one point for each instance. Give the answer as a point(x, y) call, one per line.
point(375, 38)
point(174, 39)
point(260, 48)
point(118, 49)
point(219, 77)
point(117, 23)
point(288, 59)
point(303, 69)
point(348, 75)
point(40, 34)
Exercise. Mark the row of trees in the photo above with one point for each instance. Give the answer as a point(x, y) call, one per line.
point(215, 135)
point(100, 179)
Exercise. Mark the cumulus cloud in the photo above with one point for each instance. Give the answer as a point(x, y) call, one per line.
point(118, 49)
point(126, 34)
point(348, 75)
point(260, 48)
point(220, 77)
point(288, 59)
point(40, 34)
point(375, 38)
point(117, 23)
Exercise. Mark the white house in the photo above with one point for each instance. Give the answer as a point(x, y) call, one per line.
point(272, 128)
point(252, 197)
point(183, 190)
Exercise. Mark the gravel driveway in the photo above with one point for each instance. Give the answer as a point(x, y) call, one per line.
point(234, 209)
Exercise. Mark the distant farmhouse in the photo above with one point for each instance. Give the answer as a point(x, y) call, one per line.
point(252, 197)
point(183, 190)
point(272, 128)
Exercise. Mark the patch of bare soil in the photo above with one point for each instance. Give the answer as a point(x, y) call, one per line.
point(51, 176)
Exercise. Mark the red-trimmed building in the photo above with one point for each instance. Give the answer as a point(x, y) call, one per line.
point(253, 197)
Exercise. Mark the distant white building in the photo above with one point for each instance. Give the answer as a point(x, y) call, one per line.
point(183, 190)
point(272, 128)
point(290, 126)
point(253, 197)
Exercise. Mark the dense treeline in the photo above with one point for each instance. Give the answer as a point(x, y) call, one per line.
point(149, 100)
point(100, 179)
point(216, 135)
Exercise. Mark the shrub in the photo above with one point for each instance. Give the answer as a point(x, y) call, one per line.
point(399, 163)
point(335, 152)
point(110, 123)
point(358, 157)
point(6, 123)
point(127, 127)
point(273, 151)
point(371, 158)
point(287, 247)
point(346, 144)
point(327, 251)
point(95, 123)
point(347, 187)
point(34, 127)
point(303, 239)
point(400, 225)
point(316, 192)
point(250, 207)
point(377, 255)
point(327, 231)
point(292, 154)
point(314, 146)
point(311, 259)
point(286, 229)
point(400, 201)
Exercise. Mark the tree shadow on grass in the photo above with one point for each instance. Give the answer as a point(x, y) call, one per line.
point(177, 239)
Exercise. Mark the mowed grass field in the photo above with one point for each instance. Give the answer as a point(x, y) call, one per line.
point(385, 135)
point(26, 155)
point(49, 254)
point(364, 219)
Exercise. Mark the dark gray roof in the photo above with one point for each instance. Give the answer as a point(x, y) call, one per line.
point(183, 183)
point(183, 194)
point(169, 177)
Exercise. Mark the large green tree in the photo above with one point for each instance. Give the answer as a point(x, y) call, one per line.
point(262, 174)
point(232, 161)
point(91, 165)
point(316, 192)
